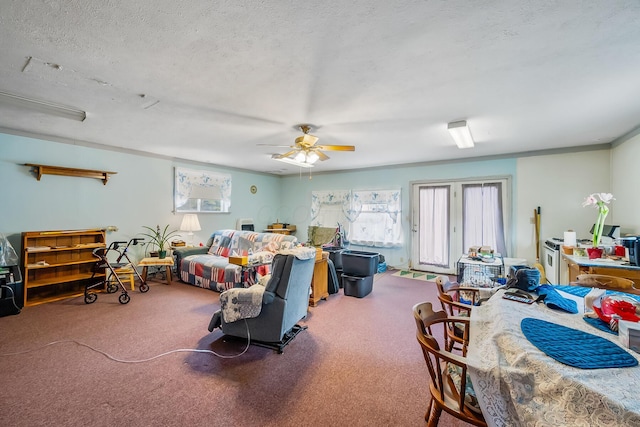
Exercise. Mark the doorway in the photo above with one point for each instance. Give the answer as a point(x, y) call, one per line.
point(448, 217)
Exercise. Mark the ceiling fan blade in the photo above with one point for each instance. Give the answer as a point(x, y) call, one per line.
point(321, 155)
point(274, 145)
point(336, 147)
point(306, 140)
point(287, 154)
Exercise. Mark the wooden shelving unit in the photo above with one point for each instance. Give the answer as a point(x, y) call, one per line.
point(57, 264)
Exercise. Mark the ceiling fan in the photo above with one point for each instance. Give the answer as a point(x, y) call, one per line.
point(305, 152)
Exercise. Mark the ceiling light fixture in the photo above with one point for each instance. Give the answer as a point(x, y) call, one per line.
point(42, 106)
point(461, 134)
point(312, 157)
point(291, 161)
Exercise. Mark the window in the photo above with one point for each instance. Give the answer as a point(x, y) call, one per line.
point(369, 217)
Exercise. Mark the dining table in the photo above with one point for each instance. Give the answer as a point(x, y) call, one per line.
point(517, 384)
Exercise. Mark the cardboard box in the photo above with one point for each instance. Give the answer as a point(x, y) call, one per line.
point(629, 334)
point(239, 260)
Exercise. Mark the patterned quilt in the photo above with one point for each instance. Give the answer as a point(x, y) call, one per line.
point(213, 270)
point(240, 303)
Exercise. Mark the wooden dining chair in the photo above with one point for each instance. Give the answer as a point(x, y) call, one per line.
point(450, 388)
point(603, 281)
point(451, 296)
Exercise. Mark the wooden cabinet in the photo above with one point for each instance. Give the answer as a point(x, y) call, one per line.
point(577, 267)
point(57, 264)
point(319, 283)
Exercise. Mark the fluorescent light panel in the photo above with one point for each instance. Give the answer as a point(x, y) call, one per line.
point(461, 134)
point(42, 106)
point(291, 161)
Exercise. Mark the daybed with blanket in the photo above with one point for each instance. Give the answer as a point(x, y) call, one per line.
point(209, 267)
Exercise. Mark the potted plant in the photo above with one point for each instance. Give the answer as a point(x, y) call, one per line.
point(160, 238)
point(600, 202)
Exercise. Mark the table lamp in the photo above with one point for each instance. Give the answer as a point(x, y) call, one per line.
point(190, 223)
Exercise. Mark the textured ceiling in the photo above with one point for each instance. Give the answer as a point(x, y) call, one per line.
point(211, 80)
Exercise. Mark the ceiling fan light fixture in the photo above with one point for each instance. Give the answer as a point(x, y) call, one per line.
point(291, 161)
point(41, 106)
point(300, 157)
point(312, 157)
point(461, 134)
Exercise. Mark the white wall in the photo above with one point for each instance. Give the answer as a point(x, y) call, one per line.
point(142, 191)
point(625, 177)
point(559, 183)
point(140, 194)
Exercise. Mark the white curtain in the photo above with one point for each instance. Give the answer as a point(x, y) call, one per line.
point(329, 208)
point(434, 225)
point(372, 217)
point(483, 223)
point(375, 219)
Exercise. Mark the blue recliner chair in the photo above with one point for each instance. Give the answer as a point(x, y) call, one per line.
point(285, 301)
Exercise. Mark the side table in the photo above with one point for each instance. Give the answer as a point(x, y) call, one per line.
point(155, 262)
point(319, 282)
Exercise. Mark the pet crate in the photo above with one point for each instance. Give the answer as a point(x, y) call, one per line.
point(488, 272)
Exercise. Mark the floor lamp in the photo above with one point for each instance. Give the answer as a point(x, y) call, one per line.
point(190, 223)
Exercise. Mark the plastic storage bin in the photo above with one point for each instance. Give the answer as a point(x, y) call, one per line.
point(335, 255)
point(358, 263)
point(356, 286)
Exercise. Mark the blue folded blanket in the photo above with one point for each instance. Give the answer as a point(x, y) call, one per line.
point(554, 300)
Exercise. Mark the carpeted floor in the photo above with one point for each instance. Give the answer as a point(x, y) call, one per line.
point(357, 364)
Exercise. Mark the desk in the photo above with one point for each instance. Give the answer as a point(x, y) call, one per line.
point(517, 384)
point(147, 262)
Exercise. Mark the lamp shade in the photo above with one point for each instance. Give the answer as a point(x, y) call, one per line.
point(190, 223)
point(461, 134)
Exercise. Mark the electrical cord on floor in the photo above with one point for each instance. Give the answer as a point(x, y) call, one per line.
point(115, 359)
point(13, 297)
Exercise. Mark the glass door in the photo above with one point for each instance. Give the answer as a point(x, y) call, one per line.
point(450, 217)
point(432, 228)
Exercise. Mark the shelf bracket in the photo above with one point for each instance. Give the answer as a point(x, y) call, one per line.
point(58, 170)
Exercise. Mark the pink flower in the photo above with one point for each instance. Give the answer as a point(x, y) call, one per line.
point(597, 199)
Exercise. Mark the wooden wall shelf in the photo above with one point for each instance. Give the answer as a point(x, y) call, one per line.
point(58, 170)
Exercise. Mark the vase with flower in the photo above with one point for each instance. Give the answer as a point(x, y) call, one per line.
point(600, 202)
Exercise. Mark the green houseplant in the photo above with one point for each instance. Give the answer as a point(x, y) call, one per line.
point(160, 238)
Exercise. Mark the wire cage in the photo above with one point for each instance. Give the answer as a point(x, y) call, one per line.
point(476, 273)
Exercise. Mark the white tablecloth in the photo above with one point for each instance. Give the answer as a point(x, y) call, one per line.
point(518, 385)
